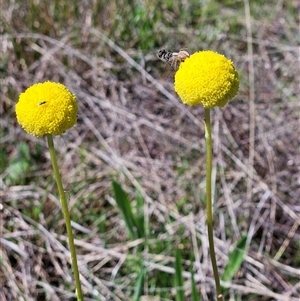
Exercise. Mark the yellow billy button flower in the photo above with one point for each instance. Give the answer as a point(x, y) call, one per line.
point(46, 108)
point(206, 78)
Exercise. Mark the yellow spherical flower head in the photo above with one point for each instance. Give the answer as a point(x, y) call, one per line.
point(206, 78)
point(46, 108)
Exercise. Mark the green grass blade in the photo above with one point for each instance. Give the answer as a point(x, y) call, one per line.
point(178, 277)
point(124, 205)
point(141, 227)
point(235, 260)
point(139, 285)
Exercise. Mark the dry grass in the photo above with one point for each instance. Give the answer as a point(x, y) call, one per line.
point(132, 126)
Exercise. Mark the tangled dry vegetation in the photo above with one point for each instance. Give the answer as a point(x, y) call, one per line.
point(132, 126)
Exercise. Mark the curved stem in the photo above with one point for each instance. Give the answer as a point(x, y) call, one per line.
point(209, 213)
point(64, 206)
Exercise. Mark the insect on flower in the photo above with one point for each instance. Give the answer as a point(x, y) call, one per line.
point(173, 58)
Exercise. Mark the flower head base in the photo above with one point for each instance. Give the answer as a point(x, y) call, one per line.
point(206, 78)
point(46, 108)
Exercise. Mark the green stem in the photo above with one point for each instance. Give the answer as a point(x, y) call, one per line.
point(64, 206)
point(209, 213)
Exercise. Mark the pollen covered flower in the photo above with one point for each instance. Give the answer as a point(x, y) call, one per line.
point(46, 108)
point(206, 78)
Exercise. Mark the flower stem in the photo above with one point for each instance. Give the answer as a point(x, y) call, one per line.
point(66, 213)
point(209, 213)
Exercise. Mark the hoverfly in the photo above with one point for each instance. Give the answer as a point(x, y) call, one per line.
point(173, 58)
